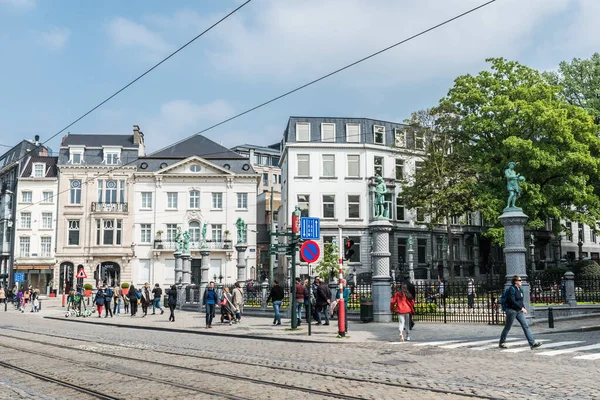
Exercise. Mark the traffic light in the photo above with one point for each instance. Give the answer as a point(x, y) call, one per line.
point(348, 252)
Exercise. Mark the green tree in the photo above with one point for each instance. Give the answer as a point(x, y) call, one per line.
point(580, 80)
point(329, 262)
point(513, 113)
point(442, 187)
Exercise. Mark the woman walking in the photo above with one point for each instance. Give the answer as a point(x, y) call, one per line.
point(133, 300)
point(227, 308)
point(403, 304)
point(2, 295)
point(238, 301)
point(172, 302)
point(146, 298)
point(99, 301)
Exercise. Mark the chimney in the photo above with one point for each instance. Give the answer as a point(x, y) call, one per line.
point(63, 139)
point(138, 136)
point(43, 152)
point(37, 139)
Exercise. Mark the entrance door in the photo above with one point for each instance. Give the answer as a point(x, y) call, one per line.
point(196, 270)
point(67, 271)
point(109, 273)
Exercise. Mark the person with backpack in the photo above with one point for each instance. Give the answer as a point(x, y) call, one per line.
point(99, 301)
point(133, 295)
point(512, 303)
point(107, 299)
point(157, 293)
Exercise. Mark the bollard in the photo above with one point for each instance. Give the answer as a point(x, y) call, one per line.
point(40, 305)
point(550, 317)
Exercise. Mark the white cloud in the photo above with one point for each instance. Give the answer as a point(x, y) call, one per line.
point(20, 4)
point(55, 38)
point(131, 35)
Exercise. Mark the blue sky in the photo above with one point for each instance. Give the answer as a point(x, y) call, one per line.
point(59, 58)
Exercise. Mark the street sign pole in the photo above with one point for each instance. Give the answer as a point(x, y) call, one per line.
point(309, 309)
point(295, 217)
point(341, 307)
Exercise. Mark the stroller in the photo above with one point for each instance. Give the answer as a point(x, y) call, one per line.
point(76, 306)
point(228, 310)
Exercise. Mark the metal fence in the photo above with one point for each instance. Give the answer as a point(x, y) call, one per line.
point(547, 289)
point(357, 292)
point(587, 289)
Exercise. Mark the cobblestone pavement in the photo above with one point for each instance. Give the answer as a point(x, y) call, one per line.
point(471, 363)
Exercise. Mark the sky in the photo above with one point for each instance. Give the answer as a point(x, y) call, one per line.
point(59, 59)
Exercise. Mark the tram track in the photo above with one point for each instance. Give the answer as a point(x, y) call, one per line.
point(256, 365)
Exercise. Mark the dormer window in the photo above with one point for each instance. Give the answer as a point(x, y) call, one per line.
point(38, 170)
point(76, 155)
point(111, 158)
point(378, 134)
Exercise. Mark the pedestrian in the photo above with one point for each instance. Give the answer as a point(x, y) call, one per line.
point(471, 293)
point(276, 295)
point(307, 296)
point(346, 299)
point(210, 300)
point(227, 307)
point(238, 301)
point(323, 301)
point(99, 301)
point(516, 310)
point(172, 301)
point(157, 293)
point(146, 299)
point(108, 291)
point(403, 304)
point(300, 292)
point(36, 305)
point(117, 296)
point(133, 300)
point(442, 290)
point(2, 295)
point(20, 301)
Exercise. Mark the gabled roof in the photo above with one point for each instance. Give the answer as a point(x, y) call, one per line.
point(51, 170)
point(98, 140)
point(200, 146)
point(154, 164)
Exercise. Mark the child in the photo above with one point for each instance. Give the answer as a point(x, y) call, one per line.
point(36, 305)
point(126, 304)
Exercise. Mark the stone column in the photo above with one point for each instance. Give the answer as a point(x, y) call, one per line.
point(186, 262)
point(204, 266)
point(411, 263)
point(570, 289)
point(513, 221)
point(178, 268)
point(532, 257)
point(180, 296)
point(265, 294)
point(476, 260)
point(445, 261)
point(380, 231)
point(241, 263)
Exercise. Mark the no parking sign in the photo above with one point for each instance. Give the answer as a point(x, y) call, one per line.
point(310, 251)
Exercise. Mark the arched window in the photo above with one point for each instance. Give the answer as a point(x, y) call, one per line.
point(194, 231)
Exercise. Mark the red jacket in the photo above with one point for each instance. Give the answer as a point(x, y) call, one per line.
point(402, 305)
point(300, 290)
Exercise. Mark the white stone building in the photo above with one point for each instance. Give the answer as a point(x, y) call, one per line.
point(187, 185)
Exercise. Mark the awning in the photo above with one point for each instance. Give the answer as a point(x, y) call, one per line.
point(28, 267)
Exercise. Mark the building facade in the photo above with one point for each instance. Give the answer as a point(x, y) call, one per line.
point(265, 161)
point(95, 221)
point(193, 185)
point(36, 221)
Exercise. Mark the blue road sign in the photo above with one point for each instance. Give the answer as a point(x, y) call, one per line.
point(310, 251)
point(19, 277)
point(310, 228)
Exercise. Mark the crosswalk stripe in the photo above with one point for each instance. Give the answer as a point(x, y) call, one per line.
point(465, 344)
point(570, 350)
point(594, 356)
point(436, 343)
point(495, 345)
point(546, 346)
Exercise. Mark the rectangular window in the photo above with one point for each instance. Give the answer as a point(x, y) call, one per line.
point(455, 220)
point(108, 232)
point(147, 200)
point(593, 235)
point(46, 220)
point(171, 232)
point(112, 158)
point(46, 246)
point(421, 251)
point(356, 256)
point(420, 215)
point(24, 246)
point(353, 133)
point(378, 166)
point(303, 204)
point(76, 158)
point(569, 231)
point(400, 210)
point(39, 170)
point(265, 179)
point(353, 166)
point(47, 197)
point(468, 219)
point(580, 232)
point(302, 132)
point(419, 141)
point(328, 206)
point(353, 206)
point(378, 134)
point(73, 232)
point(194, 199)
point(256, 159)
point(264, 160)
point(327, 132)
point(328, 165)
point(217, 233)
point(274, 179)
point(242, 201)
point(75, 191)
point(399, 169)
point(400, 135)
point(402, 257)
point(26, 220)
point(456, 248)
point(303, 165)
point(26, 196)
point(172, 200)
point(275, 161)
point(418, 166)
point(217, 201)
point(146, 233)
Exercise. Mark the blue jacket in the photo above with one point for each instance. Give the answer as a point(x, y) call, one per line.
point(210, 297)
point(514, 298)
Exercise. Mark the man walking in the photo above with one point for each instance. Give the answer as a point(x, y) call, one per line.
point(323, 301)
point(277, 296)
point(117, 296)
point(471, 292)
point(300, 292)
point(108, 297)
point(210, 301)
point(515, 309)
point(157, 293)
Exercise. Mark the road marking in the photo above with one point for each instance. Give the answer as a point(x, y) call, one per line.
point(465, 344)
point(436, 343)
point(594, 356)
point(571, 350)
point(493, 346)
point(546, 346)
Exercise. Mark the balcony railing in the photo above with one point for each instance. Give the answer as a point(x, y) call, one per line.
point(109, 207)
point(210, 244)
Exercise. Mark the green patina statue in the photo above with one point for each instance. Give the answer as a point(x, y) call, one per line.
point(186, 242)
point(204, 228)
point(178, 240)
point(410, 242)
point(241, 230)
point(381, 211)
point(512, 185)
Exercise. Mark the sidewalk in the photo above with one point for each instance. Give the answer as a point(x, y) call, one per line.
point(263, 328)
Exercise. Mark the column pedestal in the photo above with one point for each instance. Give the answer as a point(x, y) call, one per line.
point(380, 233)
point(241, 263)
point(411, 264)
point(476, 259)
point(186, 263)
point(178, 268)
point(204, 266)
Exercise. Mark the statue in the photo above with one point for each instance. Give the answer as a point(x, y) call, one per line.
point(475, 240)
point(410, 242)
point(380, 206)
point(241, 230)
point(204, 227)
point(444, 242)
point(512, 184)
point(186, 242)
point(531, 238)
point(178, 241)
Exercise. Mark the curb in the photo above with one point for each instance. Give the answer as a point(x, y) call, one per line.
point(573, 330)
point(176, 330)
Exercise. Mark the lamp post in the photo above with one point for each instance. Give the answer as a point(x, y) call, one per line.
point(580, 245)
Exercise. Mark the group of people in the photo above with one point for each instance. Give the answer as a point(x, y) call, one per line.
point(22, 298)
point(231, 303)
point(145, 296)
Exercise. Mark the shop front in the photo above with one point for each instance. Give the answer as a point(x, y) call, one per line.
point(38, 276)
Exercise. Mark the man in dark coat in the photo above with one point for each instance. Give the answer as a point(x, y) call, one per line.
point(323, 300)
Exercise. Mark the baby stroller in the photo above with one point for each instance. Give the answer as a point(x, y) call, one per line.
point(228, 310)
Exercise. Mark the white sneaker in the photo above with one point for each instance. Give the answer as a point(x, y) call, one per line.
point(408, 338)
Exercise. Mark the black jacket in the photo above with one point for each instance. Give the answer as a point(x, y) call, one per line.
point(276, 293)
point(323, 294)
point(514, 298)
point(172, 297)
point(157, 292)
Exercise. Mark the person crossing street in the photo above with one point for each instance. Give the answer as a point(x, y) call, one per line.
point(157, 293)
point(516, 310)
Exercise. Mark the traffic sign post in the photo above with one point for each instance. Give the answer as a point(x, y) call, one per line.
point(310, 228)
point(19, 277)
point(81, 274)
point(310, 251)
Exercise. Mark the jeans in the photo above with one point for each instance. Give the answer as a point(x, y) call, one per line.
point(299, 305)
point(404, 323)
point(210, 314)
point(172, 309)
point(471, 299)
point(156, 304)
point(510, 318)
point(276, 306)
point(108, 310)
point(117, 306)
point(322, 309)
